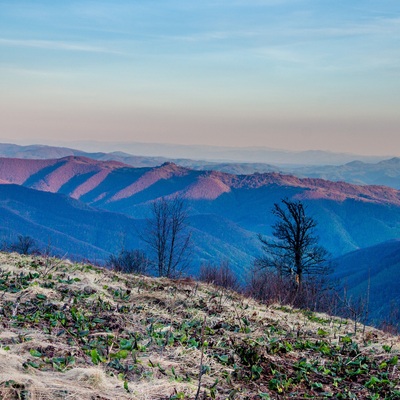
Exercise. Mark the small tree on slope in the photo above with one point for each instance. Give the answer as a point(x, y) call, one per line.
point(168, 236)
point(295, 252)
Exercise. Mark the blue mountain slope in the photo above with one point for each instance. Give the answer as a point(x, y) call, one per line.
point(65, 224)
point(378, 264)
point(71, 227)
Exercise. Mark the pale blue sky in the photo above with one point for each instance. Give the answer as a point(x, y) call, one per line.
point(294, 74)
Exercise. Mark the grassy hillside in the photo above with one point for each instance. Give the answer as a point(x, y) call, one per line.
point(79, 332)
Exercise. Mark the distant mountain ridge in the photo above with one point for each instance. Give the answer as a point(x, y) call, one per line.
point(52, 152)
point(225, 154)
point(386, 172)
point(44, 152)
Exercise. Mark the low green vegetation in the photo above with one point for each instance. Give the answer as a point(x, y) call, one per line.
point(77, 331)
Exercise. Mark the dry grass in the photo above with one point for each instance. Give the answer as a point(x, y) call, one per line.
point(80, 332)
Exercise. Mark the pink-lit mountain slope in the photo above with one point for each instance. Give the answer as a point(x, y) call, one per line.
point(53, 175)
point(349, 216)
point(111, 181)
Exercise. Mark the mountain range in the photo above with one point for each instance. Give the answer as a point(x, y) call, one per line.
point(350, 216)
point(88, 209)
point(383, 172)
point(231, 154)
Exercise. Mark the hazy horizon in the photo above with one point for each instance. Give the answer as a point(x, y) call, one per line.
point(114, 146)
point(208, 153)
point(294, 75)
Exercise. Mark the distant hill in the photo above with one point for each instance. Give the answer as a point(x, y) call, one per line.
point(350, 216)
point(108, 182)
point(231, 154)
point(43, 152)
point(386, 172)
point(378, 264)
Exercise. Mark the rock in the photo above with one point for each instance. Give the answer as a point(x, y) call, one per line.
point(88, 290)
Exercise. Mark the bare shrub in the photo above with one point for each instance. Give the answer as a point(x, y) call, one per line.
point(391, 323)
point(129, 261)
point(24, 245)
point(220, 275)
point(270, 287)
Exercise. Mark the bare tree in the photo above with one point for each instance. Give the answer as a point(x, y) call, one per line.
point(295, 251)
point(168, 237)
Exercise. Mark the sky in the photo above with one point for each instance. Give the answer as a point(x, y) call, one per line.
point(288, 74)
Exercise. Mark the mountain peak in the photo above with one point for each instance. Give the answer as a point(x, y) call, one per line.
point(170, 164)
point(90, 161)
point(391, 161)
point(171, 167)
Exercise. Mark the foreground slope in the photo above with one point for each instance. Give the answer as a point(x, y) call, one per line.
point(79, 332)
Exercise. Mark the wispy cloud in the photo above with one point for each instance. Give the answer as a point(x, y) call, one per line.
point(31, 72)
point(209, 36)
point(56, 45)
point(280, 54)
point(279, 34)
point(381, 26)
